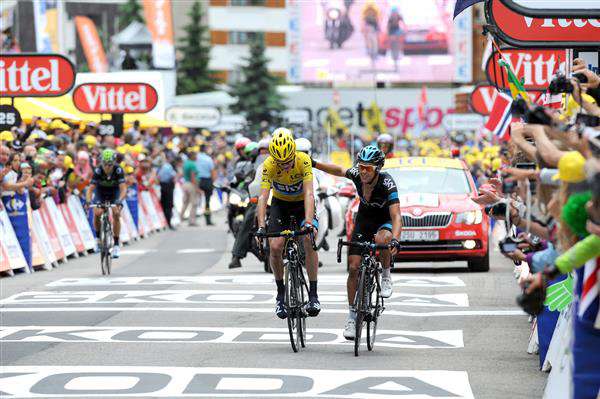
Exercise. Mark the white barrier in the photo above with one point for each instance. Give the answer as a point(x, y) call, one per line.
point(129, 223)
point(560, 379)
point(149, 205)
point(11, 245)
point(61, 227)
point(43, 240)
point(81, 222)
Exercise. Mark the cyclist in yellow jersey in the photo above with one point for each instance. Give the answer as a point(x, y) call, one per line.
point(289, 174)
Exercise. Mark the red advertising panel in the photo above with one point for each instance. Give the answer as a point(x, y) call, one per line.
point(72, 227)
point(35, 75)
point(482, 99)
point(534, 66)
point(115, 98)
point(522, 31)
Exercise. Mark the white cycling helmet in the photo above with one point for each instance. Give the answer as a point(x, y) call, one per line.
point(385, 138)
point(304, 145)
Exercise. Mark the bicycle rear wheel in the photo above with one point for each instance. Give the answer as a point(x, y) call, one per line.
point(291, 303)
point(374, 306)
point(360, 303)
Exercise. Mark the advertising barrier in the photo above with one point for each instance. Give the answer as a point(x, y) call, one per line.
point(72, 228)
point(43, 241)
point(51, 230)
point(16, 209)
point(128, 222)
point(10, 243)
point(49, 207)
point(148, 207)
point(81, 222)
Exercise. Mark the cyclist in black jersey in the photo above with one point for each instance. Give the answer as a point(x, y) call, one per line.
point(378, 217)
point(108, 184)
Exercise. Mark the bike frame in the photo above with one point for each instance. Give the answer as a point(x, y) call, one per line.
point(106, 236)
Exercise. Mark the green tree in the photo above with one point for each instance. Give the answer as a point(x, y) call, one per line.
point(256, 90)
point(129, 12)
point(193, 75)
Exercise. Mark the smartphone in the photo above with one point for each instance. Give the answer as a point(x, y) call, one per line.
point(508, 247)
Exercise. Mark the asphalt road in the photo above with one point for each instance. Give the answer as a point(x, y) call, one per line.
point(173, 321)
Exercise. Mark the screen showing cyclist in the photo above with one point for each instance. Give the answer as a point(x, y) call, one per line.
point(378, 219)
point(289, 174)
point(108, 185)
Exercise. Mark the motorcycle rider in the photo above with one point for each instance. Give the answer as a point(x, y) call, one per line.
point(242, 238)
point(385, 143)
point(378, 217)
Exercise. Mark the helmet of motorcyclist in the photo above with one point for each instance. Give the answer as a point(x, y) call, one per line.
point(371, 155)
point(241, 143)
point(304, 145)
point(385, 142)
point(263, 144)
point(282, 146)
point(251, 149)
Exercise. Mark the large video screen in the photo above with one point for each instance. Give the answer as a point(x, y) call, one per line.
point(383, 40)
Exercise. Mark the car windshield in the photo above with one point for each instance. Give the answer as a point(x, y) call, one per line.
point(430, 180)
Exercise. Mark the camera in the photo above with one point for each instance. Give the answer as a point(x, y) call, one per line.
point(509, 244)
point(535, 115)
point(508, 187)
point(587, 120)
point(497, 209)
point(560, 84)
point(532, 304)
point(532, 182)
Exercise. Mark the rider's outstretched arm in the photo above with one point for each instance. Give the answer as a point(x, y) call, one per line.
point(261, 208)
point(330, 168)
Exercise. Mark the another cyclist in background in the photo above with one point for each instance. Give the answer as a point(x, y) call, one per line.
point(385, 142)
point(378, 217)
point(289, 173)
point(370, 28)
point(370, 14)
point(108, 184)
point(396, 31)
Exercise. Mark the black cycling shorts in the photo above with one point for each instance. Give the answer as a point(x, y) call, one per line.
point(366, 227)
point(101, 196)
point(281, 212)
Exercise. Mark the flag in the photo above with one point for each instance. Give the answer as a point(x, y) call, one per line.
point(516, 87)
point(500, 117)
point(462, 5)
point(589, 302)
point(421, 112)
point(92, 46)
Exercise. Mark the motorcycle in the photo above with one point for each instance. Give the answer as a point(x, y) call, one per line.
point(328, 211)
point(238, 194)
point(346, 193)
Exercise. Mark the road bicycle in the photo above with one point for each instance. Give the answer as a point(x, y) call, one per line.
point(368, 301)
point(106, 236)
point(296, 288)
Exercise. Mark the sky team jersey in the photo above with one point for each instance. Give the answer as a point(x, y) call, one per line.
point(287, 185)
point(384, 193)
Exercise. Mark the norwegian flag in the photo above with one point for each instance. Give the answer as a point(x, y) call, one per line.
point(500, 117)
point(589, 303)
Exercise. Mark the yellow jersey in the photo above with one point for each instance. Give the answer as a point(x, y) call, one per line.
point(288, 185)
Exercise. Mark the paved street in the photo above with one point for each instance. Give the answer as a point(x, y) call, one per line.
point(173, 321)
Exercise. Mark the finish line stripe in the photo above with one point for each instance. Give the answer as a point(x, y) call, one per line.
point(505, 312)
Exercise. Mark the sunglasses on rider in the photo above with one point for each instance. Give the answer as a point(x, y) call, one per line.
point(366, 167)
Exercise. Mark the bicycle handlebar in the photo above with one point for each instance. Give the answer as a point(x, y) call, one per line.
point(103, 206)
point(359, 244)
point(288, 233)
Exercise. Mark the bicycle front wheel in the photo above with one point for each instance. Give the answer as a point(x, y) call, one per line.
point(360, 302)
point(302, 301)
point(106, 245)
point(291, 303)
point(374, 308)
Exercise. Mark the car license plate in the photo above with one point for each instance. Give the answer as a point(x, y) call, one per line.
point(419, 235)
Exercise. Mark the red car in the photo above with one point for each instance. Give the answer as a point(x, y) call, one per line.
point(440, 220)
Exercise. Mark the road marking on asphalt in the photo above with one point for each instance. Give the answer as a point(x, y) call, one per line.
point(443, 339)
point(136, 251)
point(131, 381)
point(445, 313)
point(214, 297)
point(249, 279)
point(195, 251)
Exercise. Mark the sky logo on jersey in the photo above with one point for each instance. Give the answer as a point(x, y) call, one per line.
point(285, 189)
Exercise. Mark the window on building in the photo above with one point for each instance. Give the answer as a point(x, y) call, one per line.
point(251, 3)
point(245, 37)
point(234, 76)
